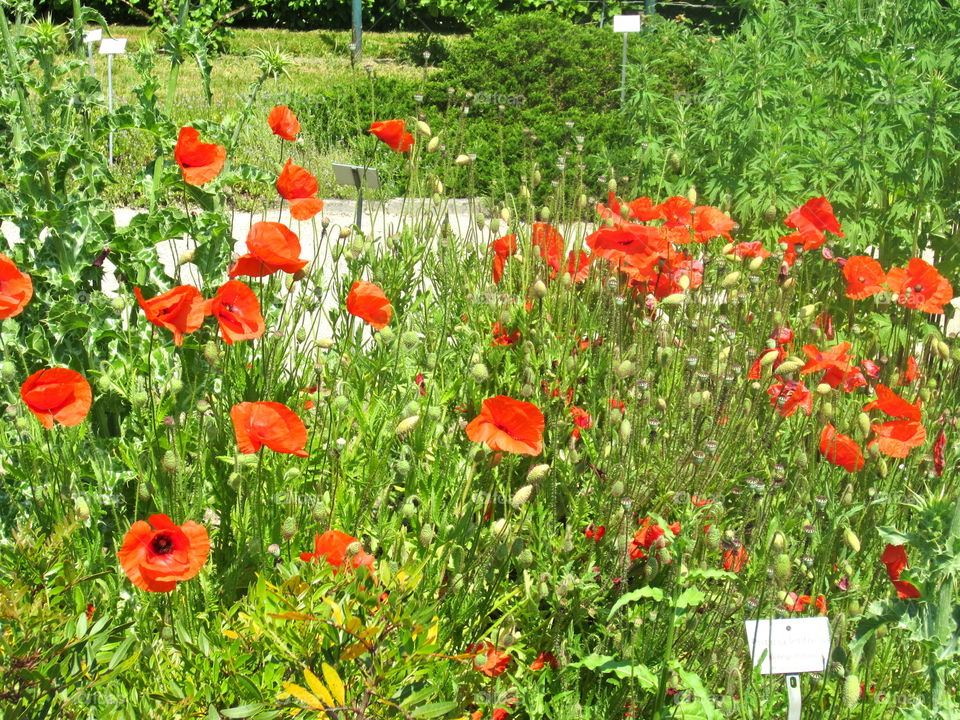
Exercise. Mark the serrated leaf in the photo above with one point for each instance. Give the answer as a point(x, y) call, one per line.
point(690, 597)
point(655, 594)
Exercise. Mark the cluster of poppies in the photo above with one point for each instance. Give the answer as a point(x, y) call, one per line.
point(918, 286)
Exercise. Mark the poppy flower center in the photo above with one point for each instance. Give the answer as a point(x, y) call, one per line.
point(861, 280)
point(162, 544)
point(918, 288)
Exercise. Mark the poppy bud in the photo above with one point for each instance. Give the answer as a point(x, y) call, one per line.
point(851, 691)
point(500, 528)
point(353, 549)
point(778, 542)
point(684, 282)
point(789, 366)
point(650, 568)
point(826, 411)
point(925, 395)
point(479, 373)
point(170, 462)
point(186, 256)
point(626, 430)
point(851, 539)
point(734, 682)
point(423, 128)
point(345, 232)
point(882, 467)
point(437, 189)
point(696, 399)
point(538, 473)
point(402, 467)
point(433, 144)
point(427, 534)
point(288, 528)
point(537, 177)
point(408, 511)
point(81, 508)
point(525, 558)
point(755, 263)
point(863, 424)
point(506, 215)
point(692, 194)
point(582, 201)
point(824, 389)
point(462, 160)
point(522, 496)
point(616, 490)
point(612, 185)
point(782, 568)
point(808, 310)
point(545, 214)
point(713, 537)
point(407, 425)
point(674, 299)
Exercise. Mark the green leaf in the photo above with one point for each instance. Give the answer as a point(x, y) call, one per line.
point(690, 597)
point(437, 709)
point(239, 711)
point(655, 594)
point(621, 668)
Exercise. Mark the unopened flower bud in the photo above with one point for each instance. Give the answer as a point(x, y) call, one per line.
point(433, 144)
point(427, 534)
point(851, 539)
point(288, 528)
point(674, 299)
point(170, 462)
point(537, 473)
point(407, 424)
point(522, 496)
point(462, 160)
point(479, 373)
point(783, 568)
point(539, 289)
point(423, 128)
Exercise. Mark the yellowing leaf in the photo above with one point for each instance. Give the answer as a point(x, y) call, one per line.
point(334, 683)
point(319, 688)
point(352, 652)
point(337, 612)
point(291, 615)
point(432, 632)
point(303, 696)
point(231, 634)
point(354, 625)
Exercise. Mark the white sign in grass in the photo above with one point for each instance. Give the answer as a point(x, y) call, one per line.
point(627, 23)
point(111, 47)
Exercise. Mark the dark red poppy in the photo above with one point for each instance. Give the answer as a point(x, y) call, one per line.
point(271, 246)
point(508, 425)
point(393, 133)
point(199, 162)
point(16, 289)
point(179, 310)
point(864, 276)
point(298, 187)
point(939, 462)
point(156, 559)
point(840, 449)
point(332, 547)
point(237, 310)
point(57, 395)
point(920, 287)
point(367, 302)
point(268, 423)
point(284, 122)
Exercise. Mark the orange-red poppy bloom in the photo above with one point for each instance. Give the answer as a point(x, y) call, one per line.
point(57, 394)
point(864, 276)
point(543, 660)
point(796, 603)
point(840, 449)
point(157, 559)
point(734, 560)
point(199, 162)
point(581, 420)
point(550, 241)
point(834, 358)
point(649, 535)
point(271, 246)
point(298, 187)
point(16, 289)
point(268, 423)
point(283, 122)
point(897, 437)
point(912, 372)
point(237, 309)
point(578, 266)
point(495, 661)
point(814, 215)
point(710, 222)
point(502, 337)
point(893, 405)
point(895, 558)
point(508, 425)
point(332, 547)
point(787, 396)
point(503, 248)
point(368, 302)
point(393, 133)
point(920, 287)
point(179, 310)
point(752, 249)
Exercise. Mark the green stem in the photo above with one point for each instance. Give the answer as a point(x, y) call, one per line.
point(944, 621)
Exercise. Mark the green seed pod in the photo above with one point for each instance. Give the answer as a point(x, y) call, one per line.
point(170, 462)
point(539, 289)
point(783, 568)
point(427, 534)
point(143, 491)
point(479, 373)
point(288, 528)
point(8, 370)
point(537, 473)
point(626, 430)
point(851, 539)
point(851, 691)
point(525, 558)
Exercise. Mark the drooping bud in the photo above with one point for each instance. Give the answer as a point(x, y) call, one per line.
point(539, 289)
point(522, 496)
point(423, 128)
point(462, 160)
point(433, 144)
point(407, 425)
point(851, 539)
point(538, 473)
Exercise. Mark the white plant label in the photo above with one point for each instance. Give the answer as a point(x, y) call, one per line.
point(113, 46)
point(789, 645)
point(627, 23)
point(93, 36)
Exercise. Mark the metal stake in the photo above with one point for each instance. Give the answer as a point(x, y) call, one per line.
point(623, 72)
point(793, 697)
point(109, 105)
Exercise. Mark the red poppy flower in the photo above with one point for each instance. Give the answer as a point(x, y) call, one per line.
point(367, 302)
point(796, 603)
point(503, 248)
point(57, 394)
point(494, 664)
point(824, 321)
point(920, 287)
point(893, 405)
point(710, 222)
point(508, 425)
point(578, 266)
point(912, 373)
point(864, 275)
point(156, 559)
point(849, 379)
point(641, 209)
point(179, 310)
point(734, 560)
point(756, 368)
point(787, 396)
point(595, 534)
point(895, 558)
point(332, 547)
point(698, 501)
point(750, 250)
point(840, 449)
point(897, 437)
point(939, 462)
point(628, 239)
point(298, 187)
point(283, 122)
point(649, 535)
point(581, 420)
point(871, 369)
point(268, 423)
point(199, 162)
point(544, 659)
point(815, 215)
point(616, 404)
point(821, 604)
point(832, 358)
point(502, 338)
point(782, 336)
point(16, 289)
point(271, 246)
point(393, 133)
point(550, 241)
point(237, 309)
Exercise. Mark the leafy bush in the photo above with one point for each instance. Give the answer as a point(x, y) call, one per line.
point(415, 50)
